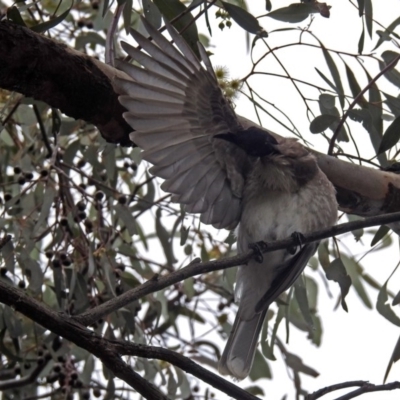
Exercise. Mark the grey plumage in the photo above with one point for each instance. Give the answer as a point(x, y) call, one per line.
point(224, 167)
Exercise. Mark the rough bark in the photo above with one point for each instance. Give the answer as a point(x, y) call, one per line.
point(50, 71)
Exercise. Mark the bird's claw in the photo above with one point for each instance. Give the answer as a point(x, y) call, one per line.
point(298, 239)
point(258, 249)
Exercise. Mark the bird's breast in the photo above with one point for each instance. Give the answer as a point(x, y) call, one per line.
point(270, 215)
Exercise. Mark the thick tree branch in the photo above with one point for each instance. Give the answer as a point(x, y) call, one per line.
point(196, 268)
point(65, 326)
point(110, 351)
point(82, 87)
point(78, 85)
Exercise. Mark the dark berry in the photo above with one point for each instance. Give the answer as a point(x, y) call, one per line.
point(99, 195)
point(122, 199)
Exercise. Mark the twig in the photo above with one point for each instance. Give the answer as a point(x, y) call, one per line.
point(356, 100)
point(365, 387)
point(196, 268)
point(25, 380)
point(110, 351)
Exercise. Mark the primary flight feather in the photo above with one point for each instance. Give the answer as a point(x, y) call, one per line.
point(226, 168)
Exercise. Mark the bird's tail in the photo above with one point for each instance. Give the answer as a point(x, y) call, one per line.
point(240, 349)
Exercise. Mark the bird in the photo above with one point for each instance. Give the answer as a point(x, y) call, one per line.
point(234, 173)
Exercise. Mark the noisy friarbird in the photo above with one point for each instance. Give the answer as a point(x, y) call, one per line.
point(227, 169)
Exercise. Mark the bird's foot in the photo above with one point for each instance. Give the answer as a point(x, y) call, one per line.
point(298, 239)
point(258, 249)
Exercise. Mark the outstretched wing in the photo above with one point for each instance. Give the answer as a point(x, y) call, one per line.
point(176, 108)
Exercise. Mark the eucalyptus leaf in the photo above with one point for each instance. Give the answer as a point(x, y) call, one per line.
point(321, 123)
point(244, 19)
point(384, 308)
point(391, 136)
point(45, 26)
point(380, 234)
point(293, 13)
point(336, 271)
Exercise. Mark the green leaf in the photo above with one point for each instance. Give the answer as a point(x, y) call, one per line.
point(92, 38)
point(254, 390)
point(360, 7)
point(126, 217)
point(394, 357)
point(396, 299)
point(323, 255)
point(184, 234)
point(321, 123)
point(389, 31)
point(380, 234)
point(14, 15)
point(335, 74)
point(296, 364)
point(268, 5)
point(327, 101)
point(361, 41)
point(293, 13)
point(358, 233)
point(354, 86)
point(384, 308)
point(393, 103)
point(244, 19)
point(183, 383)
point(165, 239)
point(34, 274)
point(392, 75)
point(48, 199)
point(300, 294)
point(368, 16)
point(44, 26)
point(86, 375)
point(336, 271)
point(260, 368)
point(105, 7)
point(353, 270)
point(375, 125)
point(8, 254)
point(326, 79)
point(186, 23)
point(391, 137)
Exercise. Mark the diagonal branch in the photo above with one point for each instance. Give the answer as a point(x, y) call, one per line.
point(65, 326)
point(196, 268)
point(364, 387)
point(356, 100)
point(110, 351)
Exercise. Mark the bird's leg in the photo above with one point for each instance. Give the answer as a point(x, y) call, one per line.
point(258, 249)
point(298, 239)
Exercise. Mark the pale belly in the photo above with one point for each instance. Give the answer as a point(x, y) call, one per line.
point(276, 215)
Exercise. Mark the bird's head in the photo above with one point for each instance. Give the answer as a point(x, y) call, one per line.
point(254, 141)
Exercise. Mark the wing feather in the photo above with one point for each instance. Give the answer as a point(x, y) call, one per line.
point(176, 108)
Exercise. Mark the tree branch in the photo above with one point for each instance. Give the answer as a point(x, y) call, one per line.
point(79, 85)
point(64, 326)
point(23, 381)
point(365, 387)
point(110, 351)
point(196, 268)
point(82, 87)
